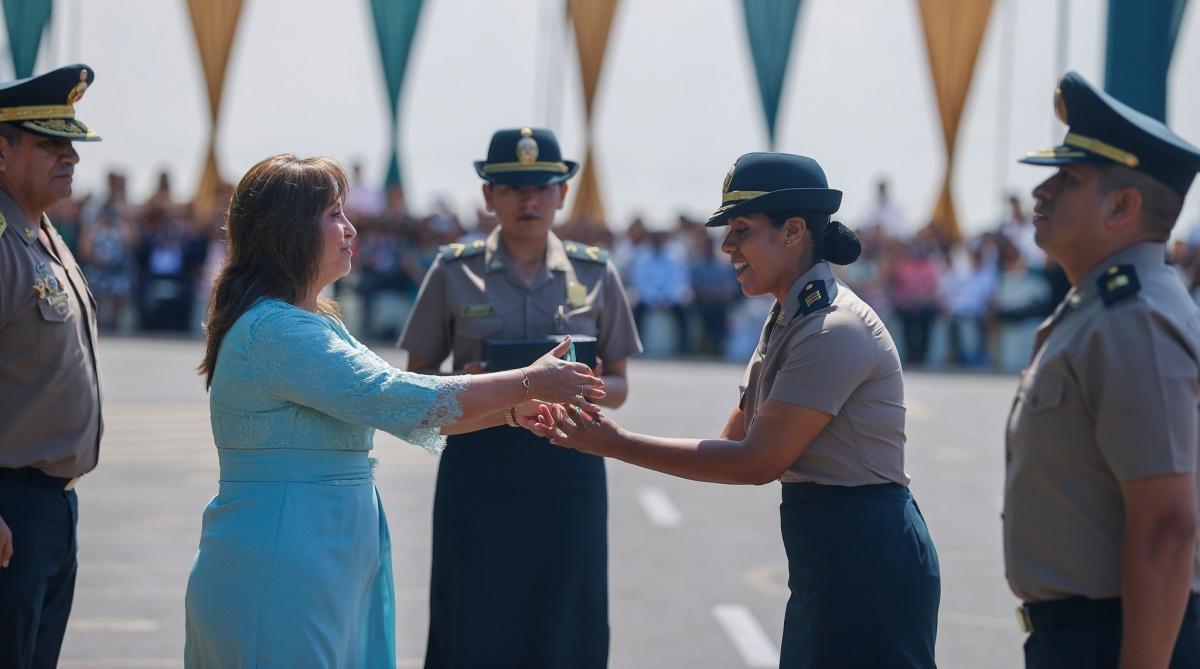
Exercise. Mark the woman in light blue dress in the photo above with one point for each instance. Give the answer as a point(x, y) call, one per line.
point(294, 563)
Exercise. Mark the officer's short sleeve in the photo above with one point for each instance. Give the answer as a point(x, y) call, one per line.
point(1142, 387)
point(617, 333)
point(823, 368)
point(427, 334)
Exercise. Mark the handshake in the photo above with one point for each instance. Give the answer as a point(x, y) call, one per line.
point(561, 391)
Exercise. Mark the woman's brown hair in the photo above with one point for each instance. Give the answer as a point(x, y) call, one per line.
point(274, 231)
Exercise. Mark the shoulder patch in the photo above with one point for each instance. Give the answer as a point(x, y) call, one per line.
point(452, 252)
point(583, 252)
point(814, 296)
point(1117, 283)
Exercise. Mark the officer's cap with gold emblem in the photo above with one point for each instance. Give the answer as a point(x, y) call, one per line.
point(525, 157)
point(1103, 130)
point(764, 183)
point(45, 104)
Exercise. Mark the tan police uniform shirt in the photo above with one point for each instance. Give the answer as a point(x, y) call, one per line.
point(825, 349)
point(478, 296)
point(1112, 395)
point(49, 382)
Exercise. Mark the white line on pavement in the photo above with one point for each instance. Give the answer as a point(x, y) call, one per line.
point(660, 509)
point(747, 635)
point(113, 625)
point(124, 663)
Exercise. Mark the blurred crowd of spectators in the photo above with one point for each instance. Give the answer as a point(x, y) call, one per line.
point(972, 303)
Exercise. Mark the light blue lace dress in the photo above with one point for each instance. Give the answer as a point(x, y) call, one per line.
point(294, 567)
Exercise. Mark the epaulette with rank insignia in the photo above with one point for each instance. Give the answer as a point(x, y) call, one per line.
point(1117, 283)
point(584, 252)
point(452, 252)
point(3, 224)
point(814, 296)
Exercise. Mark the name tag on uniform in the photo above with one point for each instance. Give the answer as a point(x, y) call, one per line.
point(477, 310)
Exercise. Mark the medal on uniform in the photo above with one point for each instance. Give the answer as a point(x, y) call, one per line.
point(576, 294)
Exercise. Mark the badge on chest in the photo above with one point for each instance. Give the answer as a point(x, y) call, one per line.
point(576, 294)
point(46, 285)
point(53, 299)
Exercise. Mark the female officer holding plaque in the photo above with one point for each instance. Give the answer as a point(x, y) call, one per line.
point(520, 546)
point(822, 410)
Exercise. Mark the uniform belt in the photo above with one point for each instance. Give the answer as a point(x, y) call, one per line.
point(37, 477)
point(1062, 613)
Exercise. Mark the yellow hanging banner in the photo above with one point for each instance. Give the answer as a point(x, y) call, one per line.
point(215, 24)
point(591, 20)
point(954, 31)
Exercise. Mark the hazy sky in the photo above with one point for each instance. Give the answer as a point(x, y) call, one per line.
point(677, 100)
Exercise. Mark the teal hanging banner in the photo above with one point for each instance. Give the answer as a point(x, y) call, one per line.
point(395, 25)
point(27, 20)
point(770, 25)
point(1141, 41)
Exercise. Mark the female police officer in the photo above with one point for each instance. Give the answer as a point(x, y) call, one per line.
point(520, 553)
point(822, 409)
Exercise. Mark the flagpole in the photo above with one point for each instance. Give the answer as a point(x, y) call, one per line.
point(75, 34)
point(560, 23)
point(1004, 105)
point(541, 64)
point(1063, 44)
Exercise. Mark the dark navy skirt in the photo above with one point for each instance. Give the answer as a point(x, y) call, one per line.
point(864, 578)
point(520, 555)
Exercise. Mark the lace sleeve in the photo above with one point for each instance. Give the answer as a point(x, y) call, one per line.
point(306, 359)
point(445, 410)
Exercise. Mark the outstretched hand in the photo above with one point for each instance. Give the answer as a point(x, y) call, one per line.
point(586, 432)
point(569, 383)
point(530, 412)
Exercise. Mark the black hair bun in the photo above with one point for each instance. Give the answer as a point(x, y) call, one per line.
point(841, 244)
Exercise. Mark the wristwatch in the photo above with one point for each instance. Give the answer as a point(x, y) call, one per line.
point(510, 418)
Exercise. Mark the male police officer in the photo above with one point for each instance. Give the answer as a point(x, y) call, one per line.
point(1100, 495)
point(50, 422)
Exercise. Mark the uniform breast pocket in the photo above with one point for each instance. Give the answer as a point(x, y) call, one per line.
point(52, 328)
point(56, 308)
point(480, 328)
point(583, 321)
point(1045, 393)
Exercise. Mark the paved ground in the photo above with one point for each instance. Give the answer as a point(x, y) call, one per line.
point(698, 577)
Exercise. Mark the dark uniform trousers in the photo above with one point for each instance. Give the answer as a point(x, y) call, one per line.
point(1083, 633)
point(38, 586)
